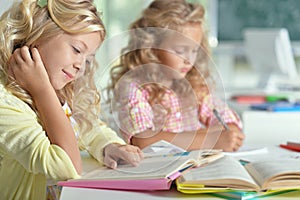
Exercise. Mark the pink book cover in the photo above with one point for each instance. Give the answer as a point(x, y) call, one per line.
point(142, 184)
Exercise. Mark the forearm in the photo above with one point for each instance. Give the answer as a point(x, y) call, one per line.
point(57, 125)
point(189, 140)
point(98, 138)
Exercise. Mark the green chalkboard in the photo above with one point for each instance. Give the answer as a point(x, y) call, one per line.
point(235, 15)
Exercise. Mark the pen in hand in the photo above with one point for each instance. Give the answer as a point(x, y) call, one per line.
point(220, 119)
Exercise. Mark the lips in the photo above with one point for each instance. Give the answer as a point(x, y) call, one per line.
point(184, 70)
point(68, 75)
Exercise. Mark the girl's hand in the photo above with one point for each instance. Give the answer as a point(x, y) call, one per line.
point(230, 140)
point(28, 69)
point(115, 153)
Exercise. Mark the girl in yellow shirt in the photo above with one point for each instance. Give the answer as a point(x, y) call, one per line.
point(47, 59)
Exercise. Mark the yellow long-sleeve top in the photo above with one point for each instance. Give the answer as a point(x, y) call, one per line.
point(27, 158)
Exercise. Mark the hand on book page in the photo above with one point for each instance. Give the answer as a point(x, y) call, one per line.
point(153, 173)
point(228, 173)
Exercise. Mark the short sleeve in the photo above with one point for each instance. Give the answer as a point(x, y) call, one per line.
point(136, 115)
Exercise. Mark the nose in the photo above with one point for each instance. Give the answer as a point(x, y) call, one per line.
point(186, 61)
point(77, 67)
point(80, 66)
point(190, 57)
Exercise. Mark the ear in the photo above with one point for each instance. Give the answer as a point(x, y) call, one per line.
point(156, 53)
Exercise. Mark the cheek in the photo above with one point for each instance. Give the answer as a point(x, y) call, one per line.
point(174, 61)
point(167, 58)
point(47, 57)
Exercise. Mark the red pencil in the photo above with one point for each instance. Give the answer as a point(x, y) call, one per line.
point(292, 148)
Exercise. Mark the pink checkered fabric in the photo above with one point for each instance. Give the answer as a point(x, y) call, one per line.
point(138, 115)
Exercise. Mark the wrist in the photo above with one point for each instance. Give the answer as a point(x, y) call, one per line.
point(43, 93)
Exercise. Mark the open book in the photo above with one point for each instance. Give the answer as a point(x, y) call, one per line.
point(228, 173)
point(154, 172)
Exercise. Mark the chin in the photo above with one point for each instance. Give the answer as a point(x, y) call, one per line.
point(58, 86)
point(180, 77)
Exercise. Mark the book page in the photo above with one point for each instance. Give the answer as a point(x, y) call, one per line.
point(284, 171)
point(247, 150)
point(226, 172)
point(153, 167)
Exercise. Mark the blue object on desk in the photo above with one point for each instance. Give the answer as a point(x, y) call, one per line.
point(277, 107)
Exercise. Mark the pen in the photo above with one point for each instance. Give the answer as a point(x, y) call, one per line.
point(244, 162)
point(216, 113)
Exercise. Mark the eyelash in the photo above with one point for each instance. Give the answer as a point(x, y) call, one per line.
point(76, 50)
point(88, 62)
point(179, 51)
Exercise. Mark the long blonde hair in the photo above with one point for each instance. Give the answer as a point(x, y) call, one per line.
point(166, 15)
point(25, 23)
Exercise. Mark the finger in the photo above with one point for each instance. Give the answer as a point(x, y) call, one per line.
point(17, 56)
point(132, 158)
point(25, 54)
point(134, 149)
point(129, 154)
point(36, 55)
point(235, 148)
point(240, 135)
point(11, 64)
point(109, 162)
point(137, 151)
point(240, 143)
point(12, 61)
point(141, 154)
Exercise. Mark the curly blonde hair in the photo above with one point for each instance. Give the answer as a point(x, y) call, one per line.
point(26, 23)
point(165, 15)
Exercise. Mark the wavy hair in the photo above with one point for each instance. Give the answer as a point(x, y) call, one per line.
point(165, 15)
point(26, 23)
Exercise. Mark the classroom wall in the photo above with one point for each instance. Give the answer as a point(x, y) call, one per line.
point(235, 15)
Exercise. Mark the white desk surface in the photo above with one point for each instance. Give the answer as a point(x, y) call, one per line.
point(265, 127)
point(69, 193)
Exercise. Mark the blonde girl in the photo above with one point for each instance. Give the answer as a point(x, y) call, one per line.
point(163, 86)
point(47, 64)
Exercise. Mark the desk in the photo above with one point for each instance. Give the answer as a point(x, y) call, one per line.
point(96, 194)
point(93, 194)
point(265, 127)
point(69, 193)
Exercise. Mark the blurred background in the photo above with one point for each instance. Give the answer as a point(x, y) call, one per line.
point(226, 21)
point(240, 55)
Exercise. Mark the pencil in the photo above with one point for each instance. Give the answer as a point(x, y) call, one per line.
point(220, 119)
